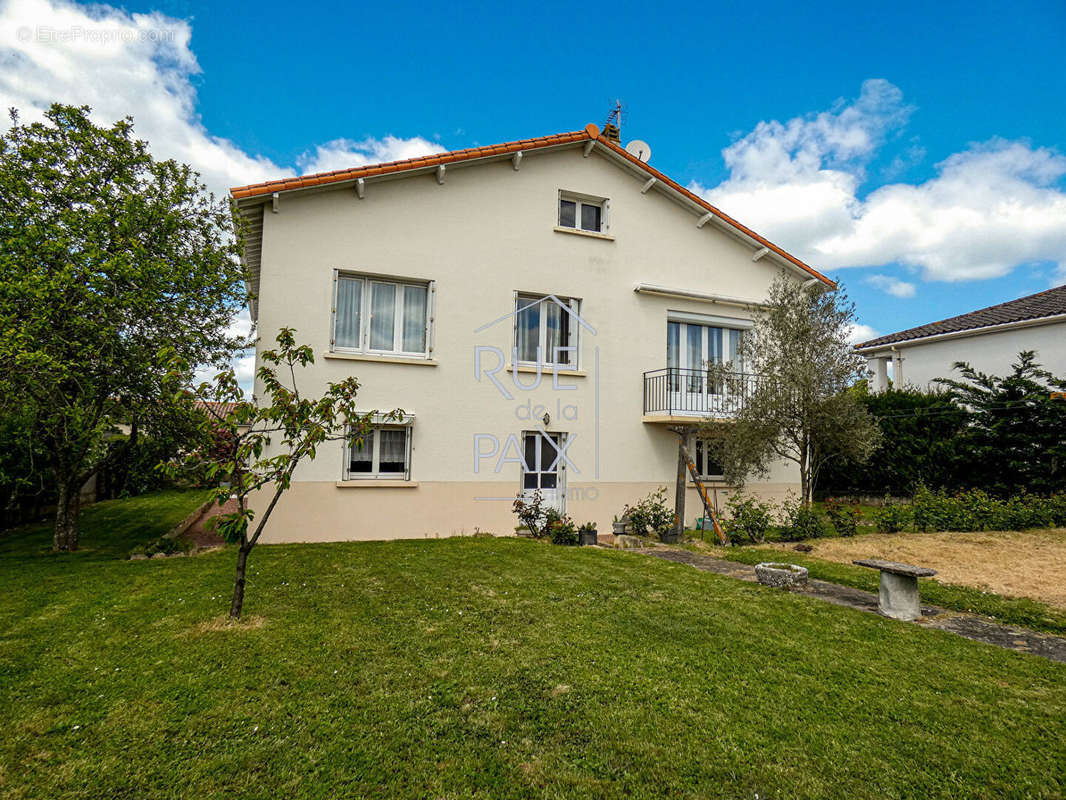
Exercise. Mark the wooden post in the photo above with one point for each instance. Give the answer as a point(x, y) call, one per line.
point(679, 490)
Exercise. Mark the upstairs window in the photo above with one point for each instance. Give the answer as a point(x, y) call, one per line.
point(582, 213)
point(380, 316)
point(546, 330)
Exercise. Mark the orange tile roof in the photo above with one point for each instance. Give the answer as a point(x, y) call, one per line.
point(590, 132)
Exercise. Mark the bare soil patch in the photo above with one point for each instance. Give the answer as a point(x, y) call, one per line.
point(1013, 563)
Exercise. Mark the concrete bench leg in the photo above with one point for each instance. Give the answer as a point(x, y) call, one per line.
point(898, 597)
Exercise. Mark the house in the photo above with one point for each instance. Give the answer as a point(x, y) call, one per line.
point(541, 310)
point(988, 339)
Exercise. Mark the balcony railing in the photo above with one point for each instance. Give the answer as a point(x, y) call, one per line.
point(680, 392)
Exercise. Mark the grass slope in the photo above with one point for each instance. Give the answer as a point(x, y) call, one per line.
point(1009, 610)
point(109, 529)
point(496, 669)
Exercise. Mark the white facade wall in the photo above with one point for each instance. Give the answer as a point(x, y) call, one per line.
point(992, 352)
point(485, 233)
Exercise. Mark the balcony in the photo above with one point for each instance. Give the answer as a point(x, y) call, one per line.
point(679, 395)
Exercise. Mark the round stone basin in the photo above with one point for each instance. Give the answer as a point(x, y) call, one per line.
point(786, 576)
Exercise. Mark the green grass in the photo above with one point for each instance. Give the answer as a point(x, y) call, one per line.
point(493, 669)
point(109, 529)
point(1009, 610)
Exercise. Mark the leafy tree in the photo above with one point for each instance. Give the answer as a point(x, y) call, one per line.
point(1016, 435)
point(256, 447)
point(106, 255)
point(922, 443)
point(801, 408)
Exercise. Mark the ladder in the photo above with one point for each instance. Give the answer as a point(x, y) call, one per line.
point(708, 508)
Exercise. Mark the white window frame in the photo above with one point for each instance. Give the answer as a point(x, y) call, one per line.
point(582, 200)
point(548, 359)
point(375, 456)
point(700, 456)
point(401, 284)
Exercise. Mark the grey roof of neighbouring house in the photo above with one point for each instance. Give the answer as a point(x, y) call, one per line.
point(1031, 307)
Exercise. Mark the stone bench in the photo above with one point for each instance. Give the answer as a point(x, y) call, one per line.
point(898, 596)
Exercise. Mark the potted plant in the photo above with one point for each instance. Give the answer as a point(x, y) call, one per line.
point(587, 534)
point(618, 526)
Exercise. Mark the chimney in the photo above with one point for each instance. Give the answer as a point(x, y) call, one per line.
point(611, 132)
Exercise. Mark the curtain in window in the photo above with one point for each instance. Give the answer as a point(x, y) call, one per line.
point(414, 319)
point(734, 350)
point(528, 328)
point(393, 455)
point(557, 321)
point(673, 350)
point(349, 306)
point(362, 458)
point(382, 316)
point(694, 342)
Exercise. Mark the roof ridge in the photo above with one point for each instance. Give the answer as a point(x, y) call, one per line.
point(590, 133)
point(942, 326)
point(310, 179)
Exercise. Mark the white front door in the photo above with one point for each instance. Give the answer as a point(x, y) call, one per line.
point(543, 469)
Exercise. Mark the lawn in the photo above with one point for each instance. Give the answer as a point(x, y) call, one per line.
point(1022, 611)
point(492, 668)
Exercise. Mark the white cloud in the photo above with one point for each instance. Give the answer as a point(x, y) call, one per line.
point(345, 153)
point(893, 286)
point(989, 208)
point(141, 65)
point(861, 333)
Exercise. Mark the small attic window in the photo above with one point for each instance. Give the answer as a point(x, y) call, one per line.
point(582, 212)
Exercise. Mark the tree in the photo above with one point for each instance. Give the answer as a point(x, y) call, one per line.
point(236, 459)
point(1016, 437)
point(922, 443)
point(106, 255)
point(801, 407)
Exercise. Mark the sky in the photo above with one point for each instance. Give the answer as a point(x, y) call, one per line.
point(914, 151)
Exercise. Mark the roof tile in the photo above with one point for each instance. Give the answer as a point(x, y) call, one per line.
point(1048, 303)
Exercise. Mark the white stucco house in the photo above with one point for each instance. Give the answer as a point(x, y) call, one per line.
point(988, 339)
point(542, 310)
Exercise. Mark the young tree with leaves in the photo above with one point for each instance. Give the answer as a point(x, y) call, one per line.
point(106, 255)
point(284, 423)
point(1016, 437)
point(801, 408)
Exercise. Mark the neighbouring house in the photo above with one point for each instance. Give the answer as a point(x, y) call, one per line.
point(543, 312)
point(989, 339)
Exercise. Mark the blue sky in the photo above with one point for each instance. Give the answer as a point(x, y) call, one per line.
point(913, 150)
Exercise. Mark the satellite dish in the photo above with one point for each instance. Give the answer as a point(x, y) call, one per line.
point(640, 149)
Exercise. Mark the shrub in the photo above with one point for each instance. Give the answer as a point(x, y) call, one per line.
point(534, 515)
point(801, 522)
point(748, 517)
point(843, 514)
point(651, 514)
point(563, 531)
point(892, 517)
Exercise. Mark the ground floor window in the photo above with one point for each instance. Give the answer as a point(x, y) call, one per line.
point(385, 452)
point(707, 465)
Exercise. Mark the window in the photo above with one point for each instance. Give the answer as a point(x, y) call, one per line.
point(546, 330)
point(691, 348)
point(582, 213)
point(375, 315)
point(706, 465)
point(385, 452)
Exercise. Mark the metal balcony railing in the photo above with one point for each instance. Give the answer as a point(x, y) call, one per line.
point(697, 392)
